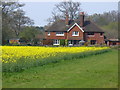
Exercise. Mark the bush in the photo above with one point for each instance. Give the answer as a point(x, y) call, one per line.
point(86, 44)
point(62, 42)
point(66, 42)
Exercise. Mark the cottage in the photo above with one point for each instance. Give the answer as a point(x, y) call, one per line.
point(74, 31)
point(113, 42)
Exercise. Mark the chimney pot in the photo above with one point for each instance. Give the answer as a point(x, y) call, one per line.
point(81, 13)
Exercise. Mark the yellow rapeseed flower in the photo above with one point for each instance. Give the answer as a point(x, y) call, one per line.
point(11, 54)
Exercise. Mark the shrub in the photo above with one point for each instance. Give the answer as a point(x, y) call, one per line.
point(86, 44)
point(66, 42)
point(62, 42)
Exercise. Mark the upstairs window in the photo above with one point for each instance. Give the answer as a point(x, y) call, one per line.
point(75, 33)
point(90, 33)
point(48, 33)
point(59, 33)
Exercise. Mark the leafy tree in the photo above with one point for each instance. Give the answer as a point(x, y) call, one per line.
point(29, 34)
point(13, 20)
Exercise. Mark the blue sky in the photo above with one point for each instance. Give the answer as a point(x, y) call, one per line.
point(41, 11)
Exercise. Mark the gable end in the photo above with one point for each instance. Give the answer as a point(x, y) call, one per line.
point(77, 26)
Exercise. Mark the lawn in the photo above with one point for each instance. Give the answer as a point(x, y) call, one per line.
point(96, 71)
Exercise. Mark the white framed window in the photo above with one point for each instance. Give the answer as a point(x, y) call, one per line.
point(48, 33)
point(75, 33)
point(70, 42)
point(56, 42)
point(59, 33)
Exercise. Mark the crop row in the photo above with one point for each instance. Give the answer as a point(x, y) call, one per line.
point(18, 58)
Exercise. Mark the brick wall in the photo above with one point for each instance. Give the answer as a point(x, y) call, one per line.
point(96, 36)
point(75, 28)
point(53, 35)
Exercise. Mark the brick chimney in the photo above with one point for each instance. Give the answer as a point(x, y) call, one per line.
point(67, 19)
point(81, 19)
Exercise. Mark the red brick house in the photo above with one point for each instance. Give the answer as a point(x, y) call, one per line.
point(74, 31)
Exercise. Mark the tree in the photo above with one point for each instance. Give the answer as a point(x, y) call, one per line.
point(13, 19)
point(61, 9)
point(108, 21)
point(29, 34)
point(105, 18)
point(0, 23)
point(20, 20)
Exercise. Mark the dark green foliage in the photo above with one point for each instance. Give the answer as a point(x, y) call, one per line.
point(62, 42)
point(66, 42)
point(30, 35)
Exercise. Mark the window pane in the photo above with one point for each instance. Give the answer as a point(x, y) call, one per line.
point(56, 41)
point(75, 33)
point(60, 33)
point(48, 33)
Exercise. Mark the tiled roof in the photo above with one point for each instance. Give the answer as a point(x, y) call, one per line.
point(60, 25)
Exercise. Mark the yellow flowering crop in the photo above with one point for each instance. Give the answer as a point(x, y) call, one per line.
point(11, 54)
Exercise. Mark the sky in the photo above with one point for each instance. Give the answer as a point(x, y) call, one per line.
point(41, 11)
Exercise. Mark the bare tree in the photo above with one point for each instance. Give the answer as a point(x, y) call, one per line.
point(19, 20)
point(61, 9)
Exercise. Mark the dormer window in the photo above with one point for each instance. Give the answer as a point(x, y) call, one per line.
point(75, 33)
point(59, 33)
point(48, 33)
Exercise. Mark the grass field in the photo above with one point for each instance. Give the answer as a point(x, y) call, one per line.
point(96, 71)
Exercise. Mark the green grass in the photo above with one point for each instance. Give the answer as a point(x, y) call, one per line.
point(96, 71)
